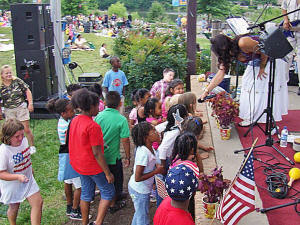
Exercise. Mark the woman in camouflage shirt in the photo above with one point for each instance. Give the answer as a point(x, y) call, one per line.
point(13, 93)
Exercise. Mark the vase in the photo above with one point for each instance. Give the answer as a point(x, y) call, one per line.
point(209, 208)
point(225, 133)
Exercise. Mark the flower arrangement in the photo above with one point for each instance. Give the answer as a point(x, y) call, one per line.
point(213, 185)
point(224, 108)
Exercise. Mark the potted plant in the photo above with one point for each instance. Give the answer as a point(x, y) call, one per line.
point(212, 186)
point(225, 109)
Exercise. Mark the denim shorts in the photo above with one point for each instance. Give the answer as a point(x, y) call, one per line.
point(88, 183)
point(141, 204)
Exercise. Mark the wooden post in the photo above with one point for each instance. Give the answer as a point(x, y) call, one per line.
point(191, 40)
point(215, 31)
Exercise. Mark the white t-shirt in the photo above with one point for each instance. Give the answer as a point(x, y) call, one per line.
point(102, 51)
point(166, 147)
point(143, 157)
point(16, 160)
point(291, 5)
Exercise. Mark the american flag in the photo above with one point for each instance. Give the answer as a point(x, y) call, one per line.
point(240, 197)
point(161, 188)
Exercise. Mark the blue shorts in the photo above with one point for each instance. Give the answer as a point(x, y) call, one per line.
point(88, 183)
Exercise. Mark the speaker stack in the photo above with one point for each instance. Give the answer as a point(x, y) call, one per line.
point(33, 44)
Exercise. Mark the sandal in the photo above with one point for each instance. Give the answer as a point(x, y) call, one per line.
point(119, 205)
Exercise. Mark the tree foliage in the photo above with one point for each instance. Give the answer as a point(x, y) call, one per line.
point(118, 8)
point(215, 8)
point(74, 7)
point(4, 4)
point(157, 12)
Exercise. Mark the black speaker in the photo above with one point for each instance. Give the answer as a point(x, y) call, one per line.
point(275, 44)
point(49, 33)
point(28, 26)
point(53, 75)
point(32, 66)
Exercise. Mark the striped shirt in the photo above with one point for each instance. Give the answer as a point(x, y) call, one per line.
point(62, 128)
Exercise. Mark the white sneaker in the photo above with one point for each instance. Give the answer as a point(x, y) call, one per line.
point(32, 150)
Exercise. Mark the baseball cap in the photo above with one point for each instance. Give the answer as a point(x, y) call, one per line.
point(181, 183)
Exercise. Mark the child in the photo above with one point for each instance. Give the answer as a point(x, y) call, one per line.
point(152, 111)
point(115, 80)
point(87, 155)
point(64, 108)
point(185, 153)
point(141, 182)
point(174, 209)
point(169, 135)
point(159, 88)
point(70, 89)
point(133, 113)
point(195, 125)
point(175, 87)
point(142, 96)
point(115, 130)
point(16, 176)
point(96, 88)
point(189, 99)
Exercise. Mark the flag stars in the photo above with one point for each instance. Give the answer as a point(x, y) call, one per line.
point(187, 174)
point(181, 182)
point(173, 181)
point(188, 188)
point(172, 190)
point(193, 181)
point(170, 174)
point(181, 191)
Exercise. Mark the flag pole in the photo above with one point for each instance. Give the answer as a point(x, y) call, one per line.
point(244, 163)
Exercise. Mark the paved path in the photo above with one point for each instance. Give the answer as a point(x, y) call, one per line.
point(224, 156)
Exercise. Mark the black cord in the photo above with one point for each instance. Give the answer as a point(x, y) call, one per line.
point(276, 177)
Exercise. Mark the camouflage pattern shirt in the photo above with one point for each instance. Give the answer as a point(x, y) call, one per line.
point(13, 95)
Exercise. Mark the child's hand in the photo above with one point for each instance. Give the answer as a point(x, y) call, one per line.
point(126, 163)
point(209, 148)
point(110, 178)
point(160, 169)
point(22, 178)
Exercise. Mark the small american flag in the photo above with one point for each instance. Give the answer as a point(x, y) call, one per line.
point(161, 188)
point(240, 198)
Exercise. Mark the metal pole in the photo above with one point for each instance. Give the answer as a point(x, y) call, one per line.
point(58, 43)
point(215, 31)
point(191, 40)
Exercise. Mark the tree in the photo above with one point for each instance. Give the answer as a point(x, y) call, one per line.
point(118, 8)
point(104, 4)
point(214, 8)
point(74, 7)
point(157, 11)
point(4, 4)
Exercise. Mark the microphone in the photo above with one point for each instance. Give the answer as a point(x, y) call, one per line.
point(214, 92)
point(206, 98)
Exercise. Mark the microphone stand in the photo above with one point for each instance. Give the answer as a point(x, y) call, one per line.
point(264, 210)
point(270, 122)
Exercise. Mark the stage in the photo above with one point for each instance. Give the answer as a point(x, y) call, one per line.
point(224, 156)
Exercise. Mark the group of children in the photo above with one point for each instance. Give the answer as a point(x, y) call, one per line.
point(165, 129)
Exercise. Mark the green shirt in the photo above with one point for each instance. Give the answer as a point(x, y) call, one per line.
point(114, 127)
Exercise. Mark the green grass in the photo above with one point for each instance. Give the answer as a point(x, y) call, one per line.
point(204, 43)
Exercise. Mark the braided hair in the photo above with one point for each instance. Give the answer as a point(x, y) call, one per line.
point(170, 118)
point(140, 132)
point(149, 107)
point(184, 144)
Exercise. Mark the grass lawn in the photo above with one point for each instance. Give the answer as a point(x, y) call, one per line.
point(45, 161)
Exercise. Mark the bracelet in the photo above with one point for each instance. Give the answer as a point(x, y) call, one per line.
point(206, 90)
